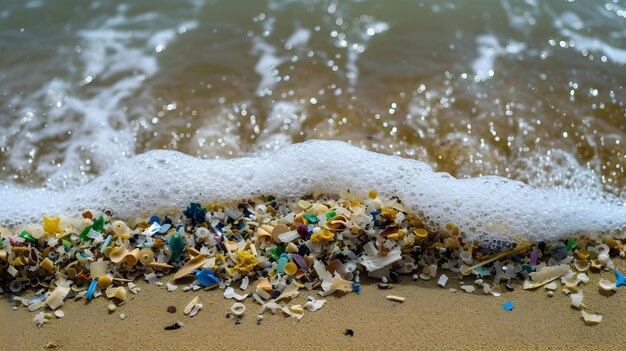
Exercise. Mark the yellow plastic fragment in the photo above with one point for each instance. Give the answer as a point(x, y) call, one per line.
point(51, 225)
point(323, 236)
point(420, 232)
point(372, 194)
point(389, 213)
point(246, 262)
point(291, 268)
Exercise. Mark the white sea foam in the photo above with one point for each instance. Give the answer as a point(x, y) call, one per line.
point(157, 180)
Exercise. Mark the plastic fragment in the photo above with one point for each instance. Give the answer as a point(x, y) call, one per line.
point(190, 305)
point(175, 326)
point(621, 279)
point(92, 289)
point(55, 300)
point(591, 318)
point(238, 309)
point(395, 298)
point(443, 279)
point(196, 308)
point(59, 314)
point(171, 287)
point(230, 293)
point(206, 277)
point(508, 306)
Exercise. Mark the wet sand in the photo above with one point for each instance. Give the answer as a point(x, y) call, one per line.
point(430, 318)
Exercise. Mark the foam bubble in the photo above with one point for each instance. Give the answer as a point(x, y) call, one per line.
point(160, 180)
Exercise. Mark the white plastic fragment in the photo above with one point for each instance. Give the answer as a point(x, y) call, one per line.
point(57, 296)
point(151, 278)
point(337, 284)
point(372, 263)
point(468, 288)
point(551, 286)
point(591, 318)
point(40, 319)
point(443, 279)
point(314, 305)
point(196, 308)
point(577, 299)
point(244, 283)
point(545, 275)
point(171, 287)
point(395, 298)
point(133, 288)
point(288, 236)
point(190, 305)
point(230, 293)
point(122, 316)
point(290, 292)
point(238, 309)
point(59, 314)
point(583, 278)
point(607, 285)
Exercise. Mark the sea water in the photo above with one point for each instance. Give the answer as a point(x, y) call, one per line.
point(448, 94)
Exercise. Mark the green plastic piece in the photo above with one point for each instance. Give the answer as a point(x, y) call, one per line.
point(26, 235)
point(83, 236)
point(177, 244)
point(276, 251)
point(571, 244)
point(98, 224)
point(330, 215)
point(311, 218)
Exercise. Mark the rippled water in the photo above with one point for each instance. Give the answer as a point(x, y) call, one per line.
point(529, 90)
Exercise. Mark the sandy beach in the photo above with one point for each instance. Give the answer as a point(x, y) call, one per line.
point(431, 318)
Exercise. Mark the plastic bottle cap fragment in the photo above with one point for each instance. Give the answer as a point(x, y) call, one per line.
point(238, 309)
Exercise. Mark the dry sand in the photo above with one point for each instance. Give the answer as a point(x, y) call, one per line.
point(430, 318)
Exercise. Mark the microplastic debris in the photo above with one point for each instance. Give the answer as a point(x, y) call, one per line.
point(443, 279)
point(349, 332)
point(468, 288)
point(196, 308)
point(508, 306)
point(171, 287)
point(59, 314)
point(591, 318)
point(190, 305)
point(175, 326)
point(577, 299)
point(171, 309)
point(395, 298)
point(230, 293)
point(238, 309)
point(621, 279)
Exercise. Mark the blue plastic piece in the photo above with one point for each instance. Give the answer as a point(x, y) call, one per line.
point(508, 306)
point(195, 212)
point(92, 288)
point(106, 243)
point(482, 272)
point(621, 279)
point(282, 261)
point(154, 219)
point(206, 277)
point(356, 287)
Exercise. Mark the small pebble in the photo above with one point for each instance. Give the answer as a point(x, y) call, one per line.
point(122, 316)
point(171, 309)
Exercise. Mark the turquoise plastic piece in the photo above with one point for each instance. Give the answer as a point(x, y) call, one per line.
point(92, 288)
point(508, 306)
point(282, 261)
point(177, 244)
